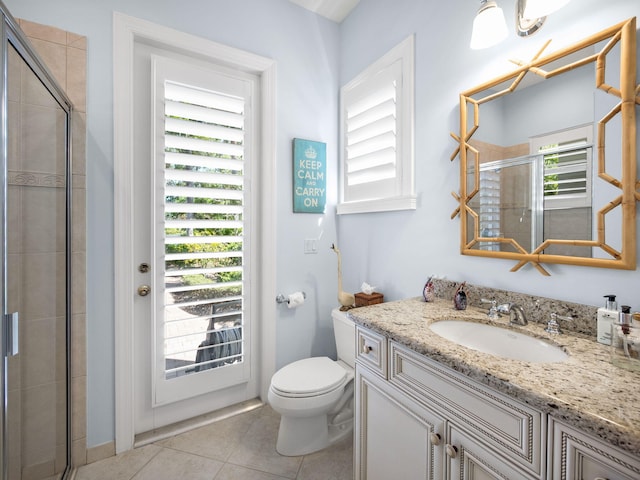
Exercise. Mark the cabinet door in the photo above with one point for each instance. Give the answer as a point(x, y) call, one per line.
point(469, 459)
point(395, 437)
point(592, 468)
point(578, 456)
point(503, 423)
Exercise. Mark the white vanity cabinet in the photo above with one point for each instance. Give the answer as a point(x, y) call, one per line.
point(487, 435)
point(419, 419)
point(416, 419)
point(399, 438)
point(574, 455)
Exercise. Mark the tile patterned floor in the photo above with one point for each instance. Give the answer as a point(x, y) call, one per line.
point(240, 447)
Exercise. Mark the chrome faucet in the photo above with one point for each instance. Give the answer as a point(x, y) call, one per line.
point(553, 326)
point(515, 311)
point(493, 311)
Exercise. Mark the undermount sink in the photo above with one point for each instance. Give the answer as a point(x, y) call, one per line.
point(499, 341)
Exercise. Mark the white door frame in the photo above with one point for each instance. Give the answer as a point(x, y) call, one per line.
point(126, 32)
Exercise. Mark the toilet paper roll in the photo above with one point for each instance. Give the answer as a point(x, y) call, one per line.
point(295, 300)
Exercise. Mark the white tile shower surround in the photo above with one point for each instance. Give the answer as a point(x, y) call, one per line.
point(240, 447)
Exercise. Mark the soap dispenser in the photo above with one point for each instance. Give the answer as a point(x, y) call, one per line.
point(625, 341)
point(607, 316)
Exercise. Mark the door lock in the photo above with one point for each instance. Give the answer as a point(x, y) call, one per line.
point(143, 290)
point(144, 267)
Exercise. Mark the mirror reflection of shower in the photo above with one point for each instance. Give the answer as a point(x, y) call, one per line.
point(544, 193)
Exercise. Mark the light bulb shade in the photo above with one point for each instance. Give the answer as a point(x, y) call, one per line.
point(489, 26)
point(542, 8)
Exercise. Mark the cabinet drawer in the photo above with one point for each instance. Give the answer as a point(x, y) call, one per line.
point(371, 350)
point(577, 455)
point(507, 425)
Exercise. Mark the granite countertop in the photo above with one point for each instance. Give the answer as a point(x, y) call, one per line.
point(585, 391)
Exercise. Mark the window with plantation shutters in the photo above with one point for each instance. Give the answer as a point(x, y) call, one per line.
point(201, 233)
point(377, 135)
point(566, 167)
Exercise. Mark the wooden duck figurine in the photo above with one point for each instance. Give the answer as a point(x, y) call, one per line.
point(346, 300)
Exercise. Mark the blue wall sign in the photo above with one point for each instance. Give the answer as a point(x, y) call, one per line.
point(309, 176)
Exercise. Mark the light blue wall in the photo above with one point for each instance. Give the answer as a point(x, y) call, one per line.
point(305, 48)
point(394, 251)
point(555, 104)
point(398, 251)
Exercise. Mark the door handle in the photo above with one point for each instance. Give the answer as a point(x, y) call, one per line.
point(143, 290)
point(11, 330)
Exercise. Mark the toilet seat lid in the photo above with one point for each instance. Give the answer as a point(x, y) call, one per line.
point(315, 375)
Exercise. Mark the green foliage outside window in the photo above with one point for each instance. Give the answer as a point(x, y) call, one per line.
point(551, 184)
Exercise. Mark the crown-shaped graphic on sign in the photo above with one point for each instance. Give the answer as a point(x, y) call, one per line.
point(310, 152)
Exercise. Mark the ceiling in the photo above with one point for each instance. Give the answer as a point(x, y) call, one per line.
point(335, 10)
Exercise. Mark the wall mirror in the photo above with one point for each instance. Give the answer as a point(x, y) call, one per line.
point(548, 167)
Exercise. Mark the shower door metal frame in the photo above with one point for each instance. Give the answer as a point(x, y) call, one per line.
point(12, 34)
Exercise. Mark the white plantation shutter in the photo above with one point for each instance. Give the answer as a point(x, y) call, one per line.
point(489, 207)
point(203, 205)
point(565, 172)
point(371, 122)
point(377, 135)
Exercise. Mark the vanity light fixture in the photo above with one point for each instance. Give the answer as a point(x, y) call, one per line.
point(531, 14)
point(489, 26)
point(526, 26)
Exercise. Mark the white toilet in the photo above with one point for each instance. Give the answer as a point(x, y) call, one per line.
point(314, 396)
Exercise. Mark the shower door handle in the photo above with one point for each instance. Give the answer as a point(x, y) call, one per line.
point(11, 328)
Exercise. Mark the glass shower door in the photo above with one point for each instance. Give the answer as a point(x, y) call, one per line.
point(35, 280)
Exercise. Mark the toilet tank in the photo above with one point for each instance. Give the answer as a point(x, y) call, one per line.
point(344, 330)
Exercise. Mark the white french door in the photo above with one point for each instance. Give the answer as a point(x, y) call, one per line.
point(139, 405)
point(201, 230)
point(193, 332)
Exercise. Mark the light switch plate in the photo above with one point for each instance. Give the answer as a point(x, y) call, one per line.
point(310, 245)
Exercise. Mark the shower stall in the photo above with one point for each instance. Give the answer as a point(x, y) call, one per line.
point(35, 226)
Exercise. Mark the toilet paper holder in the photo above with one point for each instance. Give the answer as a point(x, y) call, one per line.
point(282, 299)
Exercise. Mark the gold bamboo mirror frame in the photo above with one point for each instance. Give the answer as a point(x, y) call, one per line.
point(607, 245)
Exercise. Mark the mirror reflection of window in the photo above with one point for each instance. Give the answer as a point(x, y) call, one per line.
point(565, 161)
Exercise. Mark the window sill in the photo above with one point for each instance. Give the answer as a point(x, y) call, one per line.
point(381, 205)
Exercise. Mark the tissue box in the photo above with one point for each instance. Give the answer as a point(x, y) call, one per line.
point(362, 299)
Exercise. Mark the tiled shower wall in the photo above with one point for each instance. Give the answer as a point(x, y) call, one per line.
point(65, 55)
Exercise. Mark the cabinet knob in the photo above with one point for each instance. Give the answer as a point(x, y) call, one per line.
point(366, 348)
point(600, 478)
point(435, 439)
point(452, 451)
